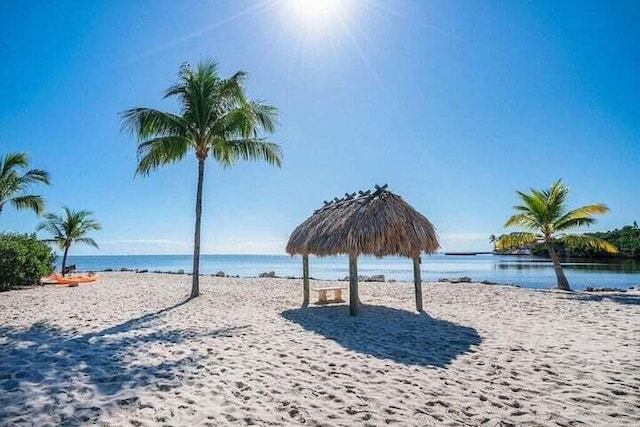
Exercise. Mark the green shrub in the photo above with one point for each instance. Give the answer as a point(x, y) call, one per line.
point(23, 260)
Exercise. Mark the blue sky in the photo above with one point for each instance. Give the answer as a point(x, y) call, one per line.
point(454, 104)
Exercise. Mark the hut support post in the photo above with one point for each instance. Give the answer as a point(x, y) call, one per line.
point(305, 279)
point(418, 282)
point(353, 284)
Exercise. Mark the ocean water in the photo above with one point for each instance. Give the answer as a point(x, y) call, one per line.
point(526, 271)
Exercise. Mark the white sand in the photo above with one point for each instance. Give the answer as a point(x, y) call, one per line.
point(245, 354)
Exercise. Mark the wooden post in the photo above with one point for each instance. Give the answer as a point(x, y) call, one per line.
point(353, 284)
point(305, 279)
point(418, 282)
point(322, 296)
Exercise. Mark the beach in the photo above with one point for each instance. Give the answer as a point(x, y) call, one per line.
point(131, 350)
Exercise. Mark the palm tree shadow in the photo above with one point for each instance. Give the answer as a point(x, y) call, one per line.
point(388, 333)
point(44, 368)
point(136, 323)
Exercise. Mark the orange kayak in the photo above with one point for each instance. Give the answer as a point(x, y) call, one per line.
point(69, 280)
point(76, 279)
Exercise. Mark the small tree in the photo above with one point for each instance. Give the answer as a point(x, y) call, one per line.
point(544, 217)
point(72, 227)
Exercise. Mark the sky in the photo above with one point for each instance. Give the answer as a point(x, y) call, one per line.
point(454, 104)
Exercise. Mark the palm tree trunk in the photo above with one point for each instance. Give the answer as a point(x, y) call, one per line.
point(563, 283)
point(195, 284)
point(64, 259)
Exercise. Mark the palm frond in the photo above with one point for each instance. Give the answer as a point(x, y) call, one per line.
point(32, 202)
point(248, 120)
point(516, 239)
point(52, 224)
point(574, 223)
point(556, 198)
point(585, 240)
point(232, 89)
point(525, 220)
point(59, 242)
point(534, 204)
point(228, 152)
point(266, 116)
point(580, 216)
point(34, 176)
point(13, 161)
point(148, 122)
point(238, 78)
point(88, 241)
point(161, 151)
point(13, 183)
point(185, 73)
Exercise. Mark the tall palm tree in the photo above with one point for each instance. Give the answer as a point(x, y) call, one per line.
point(216, 120)
point(69, 228)
point(544, 217)
point(13, 183)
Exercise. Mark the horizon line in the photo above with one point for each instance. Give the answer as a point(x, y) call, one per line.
point(265, 254)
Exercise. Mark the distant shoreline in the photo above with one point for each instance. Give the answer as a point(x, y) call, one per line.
point(525, 271)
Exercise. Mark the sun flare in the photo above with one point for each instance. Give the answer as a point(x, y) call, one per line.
point(316, 13)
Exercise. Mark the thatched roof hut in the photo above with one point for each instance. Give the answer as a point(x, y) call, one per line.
point(375, 223)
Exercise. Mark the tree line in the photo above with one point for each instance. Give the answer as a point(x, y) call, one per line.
point(626, 239)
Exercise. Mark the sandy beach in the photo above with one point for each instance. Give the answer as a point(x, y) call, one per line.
point(128, 350)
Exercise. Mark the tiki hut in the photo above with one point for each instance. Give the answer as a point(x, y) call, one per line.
point(375, 223)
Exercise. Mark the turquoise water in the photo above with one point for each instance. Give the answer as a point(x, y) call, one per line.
point(526, 271)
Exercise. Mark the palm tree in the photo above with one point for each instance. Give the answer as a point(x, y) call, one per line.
point(216, 119)
point(69, 228)
point(13, 183)
point(493, 240)
point(544, 217)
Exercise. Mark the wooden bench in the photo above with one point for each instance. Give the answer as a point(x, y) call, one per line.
point(322, 294)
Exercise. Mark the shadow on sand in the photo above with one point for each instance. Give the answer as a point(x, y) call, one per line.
point(620, 298)
point(406, 337)
point(47, 374)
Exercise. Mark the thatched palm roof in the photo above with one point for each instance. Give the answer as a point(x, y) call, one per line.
point(375, 223)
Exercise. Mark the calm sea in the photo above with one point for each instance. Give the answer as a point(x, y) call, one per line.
point(526, 271)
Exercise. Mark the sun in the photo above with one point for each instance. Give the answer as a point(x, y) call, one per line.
point(316, 14)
